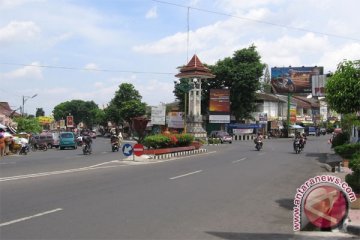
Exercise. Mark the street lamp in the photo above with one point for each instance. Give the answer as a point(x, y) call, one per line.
point(24, 99)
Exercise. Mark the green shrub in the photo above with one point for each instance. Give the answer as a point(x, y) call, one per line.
point(157, 141)
point(340, 139)
point(354, 163)
point(353, 180)
point(347, 150)
point(164, 141)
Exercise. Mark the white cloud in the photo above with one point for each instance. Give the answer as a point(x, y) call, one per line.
point(19, 31)
point(347, 51)
point(152, 13)
point(6, 4)
point(91, 66)
point(25, 73)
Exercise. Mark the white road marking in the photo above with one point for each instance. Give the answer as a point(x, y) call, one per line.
point(98, 166)
point(260, 154)
point(30, 217)
point(240, 160)
point(187, 174)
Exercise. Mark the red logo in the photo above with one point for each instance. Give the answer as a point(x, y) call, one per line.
point(326, 206)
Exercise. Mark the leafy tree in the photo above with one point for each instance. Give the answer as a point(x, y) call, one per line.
point(125, 105)
point(39, 112)
point(343, 88)
point(87, 112)
point(29, 125)
point(239, 73)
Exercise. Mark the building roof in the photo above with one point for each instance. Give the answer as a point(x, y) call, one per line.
point(269, 97)
point(301, 103)
point(6, 110)
point(310, 102)
point(195, 69)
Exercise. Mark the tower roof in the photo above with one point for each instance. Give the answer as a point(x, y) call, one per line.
point(195, 69)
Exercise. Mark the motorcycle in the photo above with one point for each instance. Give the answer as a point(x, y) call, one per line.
point(36, 147)
point(284, 83)
point(24, 149)
point(297, 146)
point(115, 146)
point(258, 145)
point(86, 149)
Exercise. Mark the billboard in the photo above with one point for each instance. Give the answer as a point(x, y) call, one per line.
point(70, 121)
point(318, 85)
point(175, 120)
point(219, 118)
point(293, 79)
point(158, 115)
point(219, 101)
point(293, 113)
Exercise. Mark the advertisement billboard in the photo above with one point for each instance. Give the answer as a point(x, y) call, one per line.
point(219, 101)
point(219, 118)
point(294, 79)
point(292, 113)
point(70, 121)
point(318, 85)
point(175, 120)
point(158, 115)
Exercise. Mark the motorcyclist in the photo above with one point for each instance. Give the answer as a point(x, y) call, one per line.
point(87, 140)
point(259, 138)
point(114, 139)
point(301, 138)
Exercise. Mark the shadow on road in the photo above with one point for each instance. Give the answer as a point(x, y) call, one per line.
point(286, 203)
point(321, 157)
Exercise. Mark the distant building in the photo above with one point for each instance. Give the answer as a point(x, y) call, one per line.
point(6, 116)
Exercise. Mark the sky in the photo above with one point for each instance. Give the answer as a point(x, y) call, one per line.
point(61, 50)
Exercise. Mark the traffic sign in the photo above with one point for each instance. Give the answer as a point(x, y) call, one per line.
point(127, 150)
point(138, 149)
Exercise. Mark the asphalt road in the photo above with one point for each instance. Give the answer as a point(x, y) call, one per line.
point(232, 192)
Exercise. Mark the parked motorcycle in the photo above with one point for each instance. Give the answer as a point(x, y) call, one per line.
point(86, 149)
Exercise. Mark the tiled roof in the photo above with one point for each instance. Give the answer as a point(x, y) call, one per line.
point(269, 97)
point(5, 109)
point(195, 69)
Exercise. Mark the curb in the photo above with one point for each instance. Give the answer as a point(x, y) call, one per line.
point(353, 229)
point(348, 227)
point(178, 154)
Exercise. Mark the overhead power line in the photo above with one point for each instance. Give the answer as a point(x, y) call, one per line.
point(86, 69)
point(258, 21)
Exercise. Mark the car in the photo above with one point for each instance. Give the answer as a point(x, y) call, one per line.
point(49, 139)
point(222, 135)
point(310, 131)
point(323, 131)
point(67, 140)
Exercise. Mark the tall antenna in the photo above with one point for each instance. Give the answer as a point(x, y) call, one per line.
point(188, 30)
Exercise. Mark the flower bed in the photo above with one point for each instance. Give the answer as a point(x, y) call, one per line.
point(168, 141)
point(167, 150)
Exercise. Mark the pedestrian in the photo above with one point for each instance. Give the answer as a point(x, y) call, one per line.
point(2, 145)
point(8, 141)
